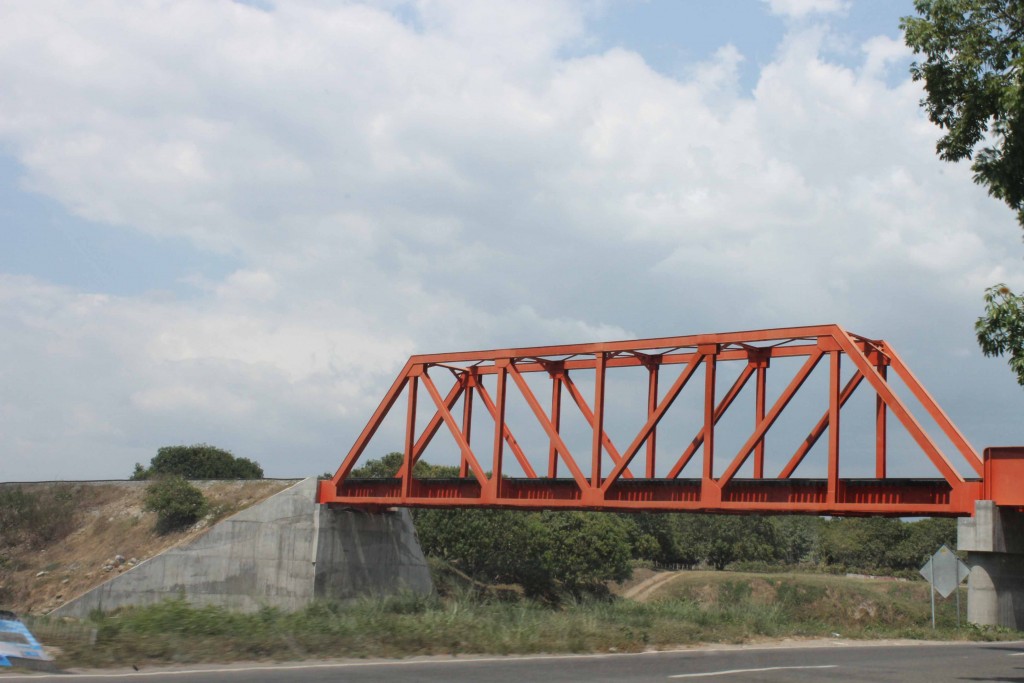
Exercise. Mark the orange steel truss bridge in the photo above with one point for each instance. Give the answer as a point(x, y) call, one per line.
point(622, 477)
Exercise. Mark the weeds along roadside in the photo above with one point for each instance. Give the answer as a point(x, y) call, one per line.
point(698, 607)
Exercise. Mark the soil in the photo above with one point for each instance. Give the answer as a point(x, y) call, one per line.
point(112, 533)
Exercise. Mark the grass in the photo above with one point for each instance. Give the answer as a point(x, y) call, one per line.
point(702, 608)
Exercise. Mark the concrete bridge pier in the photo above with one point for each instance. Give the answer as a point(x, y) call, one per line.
point(994, 541)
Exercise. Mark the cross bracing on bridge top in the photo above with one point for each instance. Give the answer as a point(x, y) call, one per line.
point(610, 476)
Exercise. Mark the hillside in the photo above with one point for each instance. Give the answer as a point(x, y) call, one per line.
point(107, 532)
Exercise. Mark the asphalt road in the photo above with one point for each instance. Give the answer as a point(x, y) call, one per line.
point(915, 663)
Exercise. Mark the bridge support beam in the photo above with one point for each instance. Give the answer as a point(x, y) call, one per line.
point(994, 541)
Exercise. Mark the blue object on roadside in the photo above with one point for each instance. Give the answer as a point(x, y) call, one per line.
point(17, 642)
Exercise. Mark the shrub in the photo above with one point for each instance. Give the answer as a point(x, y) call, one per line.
point(198, 461)
point(36, 517)
point(176, 502)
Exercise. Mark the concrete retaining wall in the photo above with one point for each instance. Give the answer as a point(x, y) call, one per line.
point(283, 552)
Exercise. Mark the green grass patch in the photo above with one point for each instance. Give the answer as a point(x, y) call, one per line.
point(702, 608)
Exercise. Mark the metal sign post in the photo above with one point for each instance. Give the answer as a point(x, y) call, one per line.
point(945, 572)
point(931, 591)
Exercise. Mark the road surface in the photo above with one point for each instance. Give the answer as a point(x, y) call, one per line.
point(835, 662)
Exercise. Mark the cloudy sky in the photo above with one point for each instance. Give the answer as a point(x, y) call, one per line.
point(232, 222)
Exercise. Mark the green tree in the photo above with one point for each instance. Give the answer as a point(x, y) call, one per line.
point(389, 465)
point(492, 546)
point(972, 71)
point(923, 538)
point(546, 553)
point(176, 502)
point(198, 461)
point(651, 537)
point(585, 549)
point(736, 538)
point(868, 544)
point(1001, 330)
point(796, 537)
point(690, 537)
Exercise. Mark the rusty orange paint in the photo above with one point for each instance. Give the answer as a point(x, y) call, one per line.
point(960, 478)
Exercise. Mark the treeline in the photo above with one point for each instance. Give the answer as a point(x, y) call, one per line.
point(873, 545)
point(575, 552)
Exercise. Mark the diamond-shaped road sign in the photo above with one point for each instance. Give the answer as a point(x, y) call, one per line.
point(944, 571)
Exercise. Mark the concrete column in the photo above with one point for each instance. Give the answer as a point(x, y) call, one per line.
point(994, 541)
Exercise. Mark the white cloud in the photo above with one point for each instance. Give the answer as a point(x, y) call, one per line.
point(797, 9)
point(394, 185)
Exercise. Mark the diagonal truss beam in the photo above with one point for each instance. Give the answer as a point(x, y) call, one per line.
point(764, 425)
point(819, 428)
point(588, 415)
point(898, 408)
point(467, 452)
point(698, 440)
point(545, 422)
point(654, 419)
point(492, 408)
point(939, 415)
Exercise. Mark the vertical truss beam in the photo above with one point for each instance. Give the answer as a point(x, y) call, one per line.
point(556, 420)
point(652, 405)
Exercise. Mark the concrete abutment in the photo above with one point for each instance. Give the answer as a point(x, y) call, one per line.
point(283, 552)
point(994, 541)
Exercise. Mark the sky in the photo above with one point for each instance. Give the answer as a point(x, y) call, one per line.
point(232, 223)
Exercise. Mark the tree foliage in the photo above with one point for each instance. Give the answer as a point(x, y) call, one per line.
point(389, 465)
point(878, 544)
point(546, 553)
point(198, 461)
point(1001, 330)
point(973, 77)
point(176, 502)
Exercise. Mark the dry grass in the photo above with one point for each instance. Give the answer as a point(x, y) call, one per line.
point(720, 607)
point(109, 521)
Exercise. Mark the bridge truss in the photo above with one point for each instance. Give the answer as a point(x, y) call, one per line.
point(610, 476)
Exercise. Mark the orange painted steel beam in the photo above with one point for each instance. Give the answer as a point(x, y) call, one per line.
point(589, 416)
point(819, 429)
point(956, 481)
point(698, 440)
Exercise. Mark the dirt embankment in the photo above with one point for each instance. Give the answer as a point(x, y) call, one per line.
point(110, 533)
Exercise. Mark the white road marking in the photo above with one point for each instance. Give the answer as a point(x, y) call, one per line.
point(471, 659)
point(729, 672)
point(1017, 654)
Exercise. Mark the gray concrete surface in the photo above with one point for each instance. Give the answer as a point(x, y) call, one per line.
point(994, 541)
point(283, 552)
point(835, 662)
